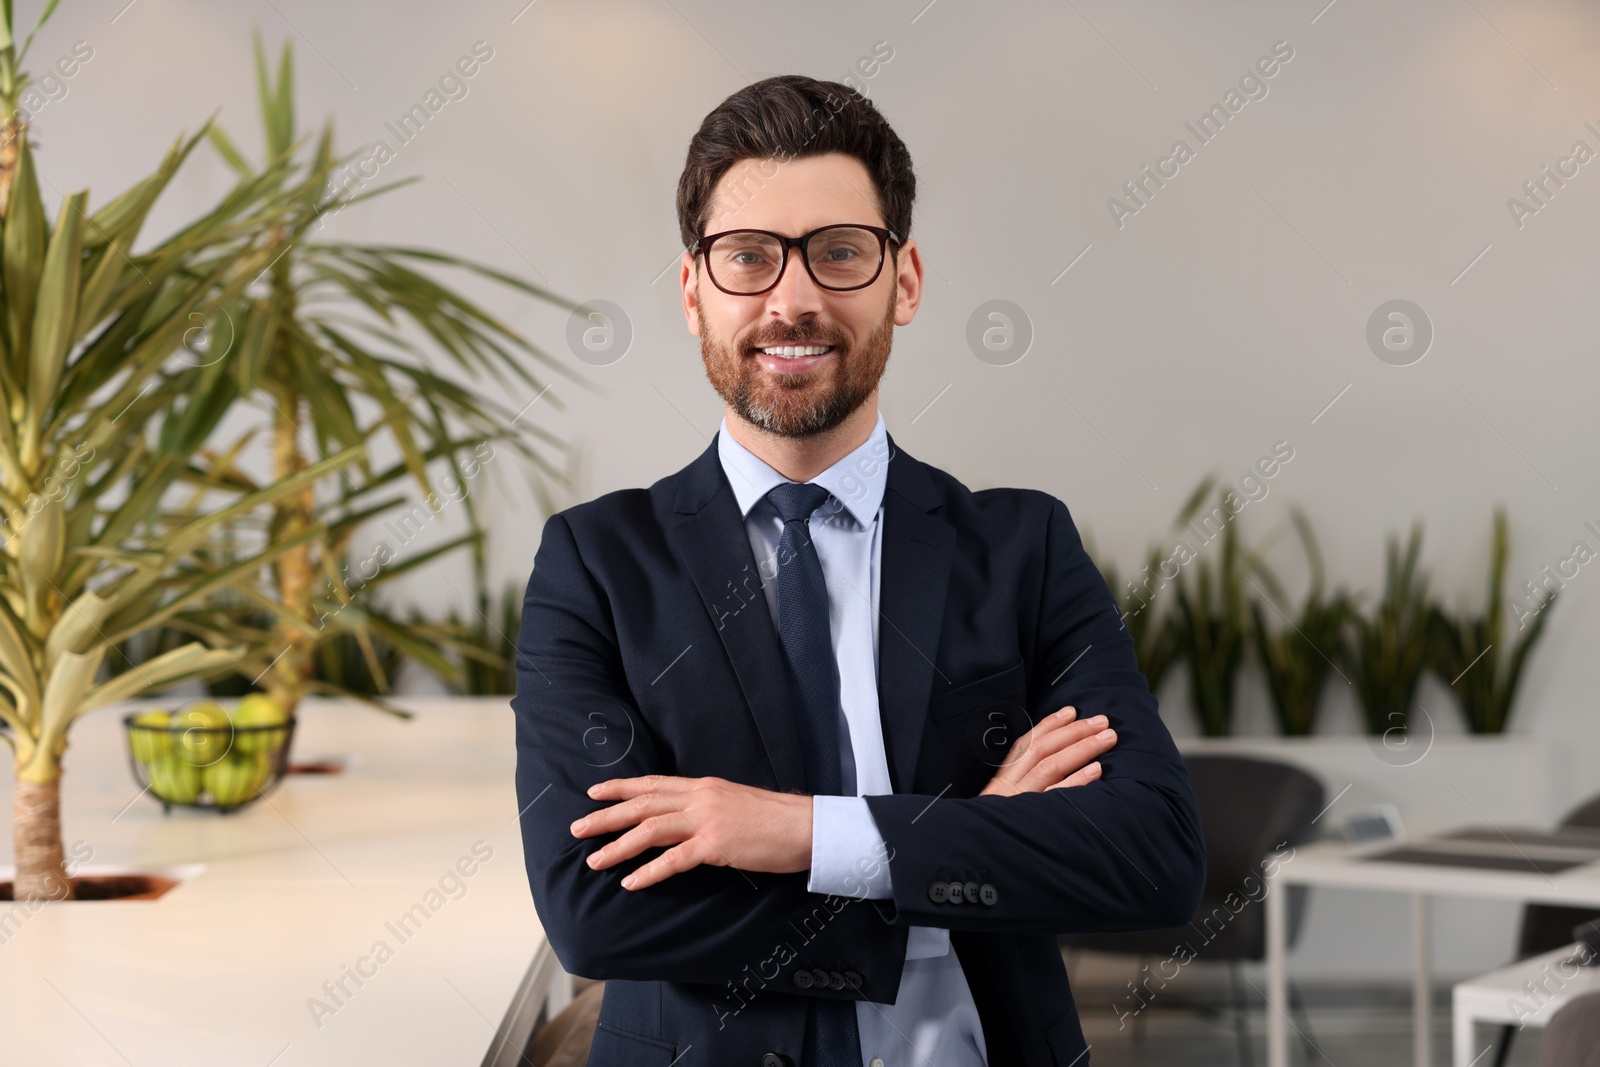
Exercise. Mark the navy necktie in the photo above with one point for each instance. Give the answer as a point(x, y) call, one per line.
point(803, 630)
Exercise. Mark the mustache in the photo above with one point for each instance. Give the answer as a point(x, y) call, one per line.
point(796, 336)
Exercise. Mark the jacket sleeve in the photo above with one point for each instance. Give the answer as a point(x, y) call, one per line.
point(577, 724)
point(1122, 853)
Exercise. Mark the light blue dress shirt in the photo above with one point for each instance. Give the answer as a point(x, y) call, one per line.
point(933, 1021)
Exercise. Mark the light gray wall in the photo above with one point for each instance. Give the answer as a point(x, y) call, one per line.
point(1229, 313)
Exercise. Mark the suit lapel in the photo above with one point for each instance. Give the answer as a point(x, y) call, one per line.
point(709, 535)
point(918, 546)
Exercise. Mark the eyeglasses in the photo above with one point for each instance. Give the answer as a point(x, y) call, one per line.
point(751, 262)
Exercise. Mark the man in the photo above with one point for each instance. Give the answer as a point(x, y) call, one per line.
point(818, 750)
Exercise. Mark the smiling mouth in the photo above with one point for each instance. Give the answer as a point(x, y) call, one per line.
point(793, 351)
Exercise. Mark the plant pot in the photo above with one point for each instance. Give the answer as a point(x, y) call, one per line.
point(110, 887)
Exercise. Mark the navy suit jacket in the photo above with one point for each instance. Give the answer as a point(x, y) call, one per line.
point(646, 647)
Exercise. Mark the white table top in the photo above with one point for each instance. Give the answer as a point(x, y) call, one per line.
point(293, 890)
point(1503, 996)
point(1336, 863)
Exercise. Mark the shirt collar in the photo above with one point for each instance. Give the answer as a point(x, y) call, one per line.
point(857, 480)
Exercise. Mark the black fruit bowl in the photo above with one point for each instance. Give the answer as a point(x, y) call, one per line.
point(222, 768)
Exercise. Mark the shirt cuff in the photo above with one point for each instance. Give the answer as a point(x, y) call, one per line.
point(848, 855)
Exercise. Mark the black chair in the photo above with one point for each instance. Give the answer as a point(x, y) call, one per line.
point(1249, 808)
point(1546, 927)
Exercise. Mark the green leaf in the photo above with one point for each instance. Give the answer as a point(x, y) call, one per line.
point(179, 665)
point(24, 248)
point(205, 403)
point(16, 662)
point(187, 537)
point(207, 585)
point(260, 331)
point(285, 102)
point(55, 318)
point(230, 152)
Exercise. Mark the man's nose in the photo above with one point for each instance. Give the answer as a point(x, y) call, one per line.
point(796, 296)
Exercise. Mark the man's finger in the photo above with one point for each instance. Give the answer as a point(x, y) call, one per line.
point(673, 861)
point(652, 831)
point(1054, 721)
point(621, 815)
point(625, 788)
point(1070, 760)
point(1046, 739)
point(1054, 740)
point(1084, 777)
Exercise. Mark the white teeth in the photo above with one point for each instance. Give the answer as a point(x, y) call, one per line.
point(795, 351)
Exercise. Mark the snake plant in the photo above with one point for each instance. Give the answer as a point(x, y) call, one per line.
point(1298, 658)
point(1469, 652)
point(1388, 651)
point(1212, 625)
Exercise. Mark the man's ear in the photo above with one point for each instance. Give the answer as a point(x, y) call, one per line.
point(689, 281)
point(908, 283)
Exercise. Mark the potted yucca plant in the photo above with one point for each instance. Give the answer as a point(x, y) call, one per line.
point(344, 341)
point(108, 489)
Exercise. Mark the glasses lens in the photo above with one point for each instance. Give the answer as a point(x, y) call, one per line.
point(843, 257)
point(745, 262)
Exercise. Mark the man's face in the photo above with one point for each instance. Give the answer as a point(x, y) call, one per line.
point(809, 394)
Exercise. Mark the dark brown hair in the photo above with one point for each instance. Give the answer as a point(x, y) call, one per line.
point(789, 117)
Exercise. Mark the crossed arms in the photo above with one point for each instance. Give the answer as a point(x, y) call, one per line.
point(1089, 827)
point(726, 824)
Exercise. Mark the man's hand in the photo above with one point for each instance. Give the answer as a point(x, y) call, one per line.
point(706, 820)
point(1057, 753)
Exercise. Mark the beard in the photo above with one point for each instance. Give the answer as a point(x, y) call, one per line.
point(797, 405)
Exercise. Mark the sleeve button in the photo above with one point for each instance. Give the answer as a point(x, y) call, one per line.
point(988, 893)
point(853, 979)
point(939, 892)
point(835, 981)
point(819, 978)
point(803, 979)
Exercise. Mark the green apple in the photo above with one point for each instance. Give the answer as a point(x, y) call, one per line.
point(203, 733)
point(256, 710)
point(150, 744)
point(174, 779)
point(236, 778)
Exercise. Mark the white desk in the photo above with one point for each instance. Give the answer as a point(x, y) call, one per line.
point(1338, 864)
point(1501, 996)
point(283, 897)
